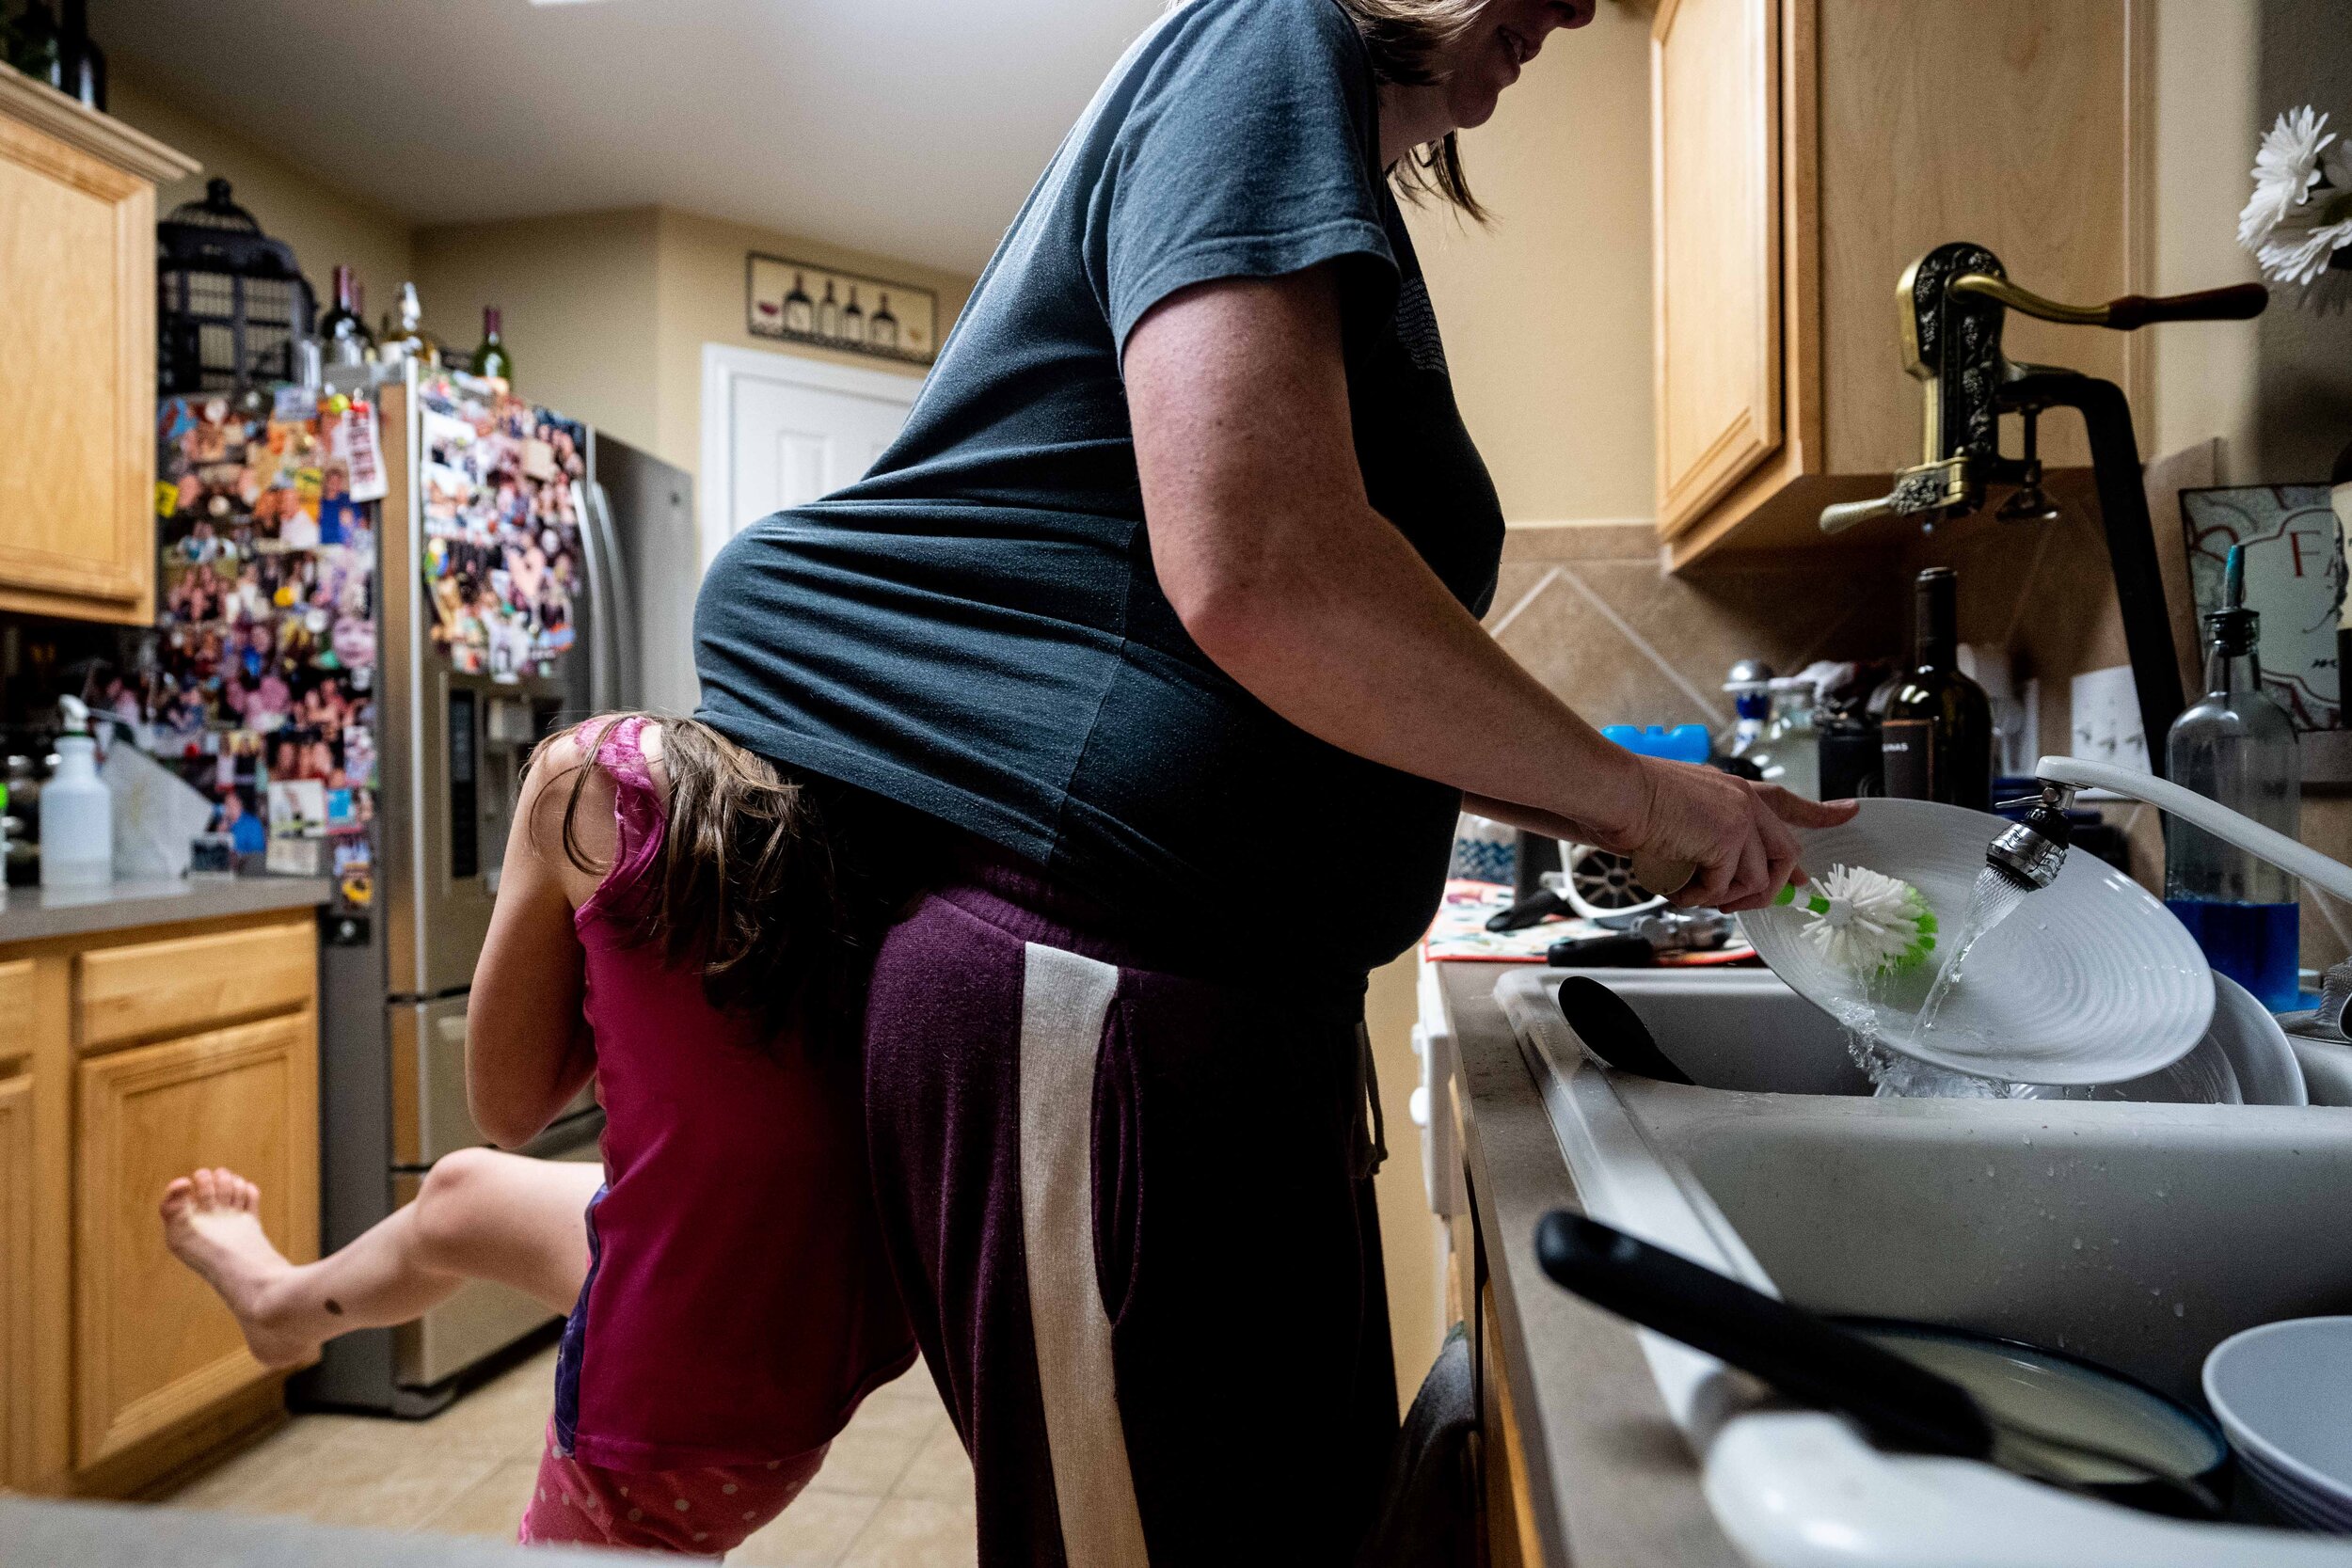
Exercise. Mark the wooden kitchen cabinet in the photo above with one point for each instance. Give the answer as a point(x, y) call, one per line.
point(128, 1058)
point(18, 1348)
point(1803, 153)
point(152, 1345)
point(77, 356)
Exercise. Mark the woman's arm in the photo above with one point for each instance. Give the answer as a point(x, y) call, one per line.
point(528, 1047)
point(1274, 558)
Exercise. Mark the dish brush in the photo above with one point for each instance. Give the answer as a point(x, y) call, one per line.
point(1865, 922)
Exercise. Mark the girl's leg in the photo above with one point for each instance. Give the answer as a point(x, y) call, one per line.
point(480, 1214)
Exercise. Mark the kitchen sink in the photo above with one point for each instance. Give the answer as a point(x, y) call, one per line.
point(2138, 1235)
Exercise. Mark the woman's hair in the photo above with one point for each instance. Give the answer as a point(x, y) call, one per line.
point(1405, 39)
point(749, 889)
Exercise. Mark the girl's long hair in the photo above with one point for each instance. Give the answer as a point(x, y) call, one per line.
point(750, 888)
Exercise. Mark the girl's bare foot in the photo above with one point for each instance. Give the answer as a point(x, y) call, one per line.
point(212, 1223)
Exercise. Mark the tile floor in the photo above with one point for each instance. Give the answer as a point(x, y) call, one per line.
point(895, 1490)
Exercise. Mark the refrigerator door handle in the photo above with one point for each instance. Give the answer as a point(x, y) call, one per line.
point(618, 638)
point(600, 671)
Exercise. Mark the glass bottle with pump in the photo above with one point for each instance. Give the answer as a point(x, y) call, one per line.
point(2236, 746)
point(1935, 737)
point(1789, 752)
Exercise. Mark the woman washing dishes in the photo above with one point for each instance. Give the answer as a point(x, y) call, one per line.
point(1177, 566)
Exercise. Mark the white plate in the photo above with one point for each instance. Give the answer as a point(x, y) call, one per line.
point(2282, 1391)
point(2090, 981)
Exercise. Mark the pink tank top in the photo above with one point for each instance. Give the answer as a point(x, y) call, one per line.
point(739, 1303)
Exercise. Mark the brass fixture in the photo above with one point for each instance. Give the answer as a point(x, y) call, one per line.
point(1951, 303)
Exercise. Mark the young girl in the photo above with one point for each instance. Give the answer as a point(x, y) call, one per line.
point(671, 920)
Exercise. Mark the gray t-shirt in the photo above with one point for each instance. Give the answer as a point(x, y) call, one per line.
point(974, 629)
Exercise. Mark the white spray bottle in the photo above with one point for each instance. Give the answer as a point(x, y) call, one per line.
point(77, 826)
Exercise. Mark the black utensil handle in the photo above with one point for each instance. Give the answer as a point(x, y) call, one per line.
point(1618, 950)
point(1811, 1360)
point(1611, 1030)
point(1531, 910)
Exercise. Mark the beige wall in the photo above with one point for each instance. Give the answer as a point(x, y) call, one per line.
point(324, 226)
point(1546, 312)
point(576, 294)
point(608, 312)
point(699, 298)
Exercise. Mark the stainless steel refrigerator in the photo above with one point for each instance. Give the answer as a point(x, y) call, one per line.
point(514, 549)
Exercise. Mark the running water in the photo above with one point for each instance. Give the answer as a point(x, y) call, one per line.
point(1994, 899)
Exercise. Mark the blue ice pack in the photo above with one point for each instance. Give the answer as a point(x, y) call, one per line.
point(1683, 743)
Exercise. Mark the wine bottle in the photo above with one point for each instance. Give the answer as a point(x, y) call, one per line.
point(2236, 746)
point(854, 320)
point(882, 330)
point(491, 361)
point(345, 328)
point(829, 314)
point(799, 312)
point(81, 64)
point(1935, 740)
point(36, 46)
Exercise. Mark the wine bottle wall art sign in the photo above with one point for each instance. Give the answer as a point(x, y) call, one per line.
point(795, 302)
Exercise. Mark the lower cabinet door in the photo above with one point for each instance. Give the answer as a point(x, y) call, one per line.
point(19, 1461)
point(153, 1345)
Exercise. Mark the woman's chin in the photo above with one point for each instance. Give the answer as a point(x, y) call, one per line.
point(1471, 106)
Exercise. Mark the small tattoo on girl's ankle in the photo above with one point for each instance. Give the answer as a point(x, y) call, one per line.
point(335, 1306)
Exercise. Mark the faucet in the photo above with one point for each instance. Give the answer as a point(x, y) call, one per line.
point(2030, 852)
point(1951, 303)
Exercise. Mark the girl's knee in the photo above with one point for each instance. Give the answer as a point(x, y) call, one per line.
point(449, 1204)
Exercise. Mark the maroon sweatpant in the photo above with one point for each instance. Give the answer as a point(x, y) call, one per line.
point(1132, 1216)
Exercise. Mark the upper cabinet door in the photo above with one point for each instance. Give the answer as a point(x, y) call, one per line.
point(1715, 145)
point(77, 356)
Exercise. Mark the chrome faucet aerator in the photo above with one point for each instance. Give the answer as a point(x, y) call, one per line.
point(2030, 852)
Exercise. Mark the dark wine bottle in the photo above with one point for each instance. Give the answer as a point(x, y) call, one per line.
point(882, 330)
point(491, 361)
point(799, 312)
point(82, 65)
point(1936, 739)
point(344, 329)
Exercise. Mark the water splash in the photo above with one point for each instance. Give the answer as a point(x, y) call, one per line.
point(1994, 899)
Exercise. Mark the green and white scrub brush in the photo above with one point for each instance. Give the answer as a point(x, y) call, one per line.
point(1865, 922)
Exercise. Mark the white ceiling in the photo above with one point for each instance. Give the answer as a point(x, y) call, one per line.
point(909, 127)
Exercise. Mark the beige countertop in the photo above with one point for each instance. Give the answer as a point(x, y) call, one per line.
point(34, 913)
point(1613, 1484)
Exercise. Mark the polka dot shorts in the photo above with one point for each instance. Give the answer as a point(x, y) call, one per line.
point(699, 1512)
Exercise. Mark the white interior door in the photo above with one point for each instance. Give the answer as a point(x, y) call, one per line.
point(780, 431)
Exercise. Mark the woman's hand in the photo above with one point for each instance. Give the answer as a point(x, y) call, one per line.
point(1737, 834)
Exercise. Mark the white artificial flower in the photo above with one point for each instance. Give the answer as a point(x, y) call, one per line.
point(2302, 244)
point(2285, 169)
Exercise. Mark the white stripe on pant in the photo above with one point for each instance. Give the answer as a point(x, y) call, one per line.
point(1064, 1001)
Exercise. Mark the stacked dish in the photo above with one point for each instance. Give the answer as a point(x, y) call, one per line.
point(2280, 1391)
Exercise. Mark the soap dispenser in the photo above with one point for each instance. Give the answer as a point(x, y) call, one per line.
point(77, 831)
point(2236, 746)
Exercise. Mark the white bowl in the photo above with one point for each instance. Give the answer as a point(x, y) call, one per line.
point(2259, 1053)
point(2090, 981)
point(2244, 1059)
point(2282, 1392)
